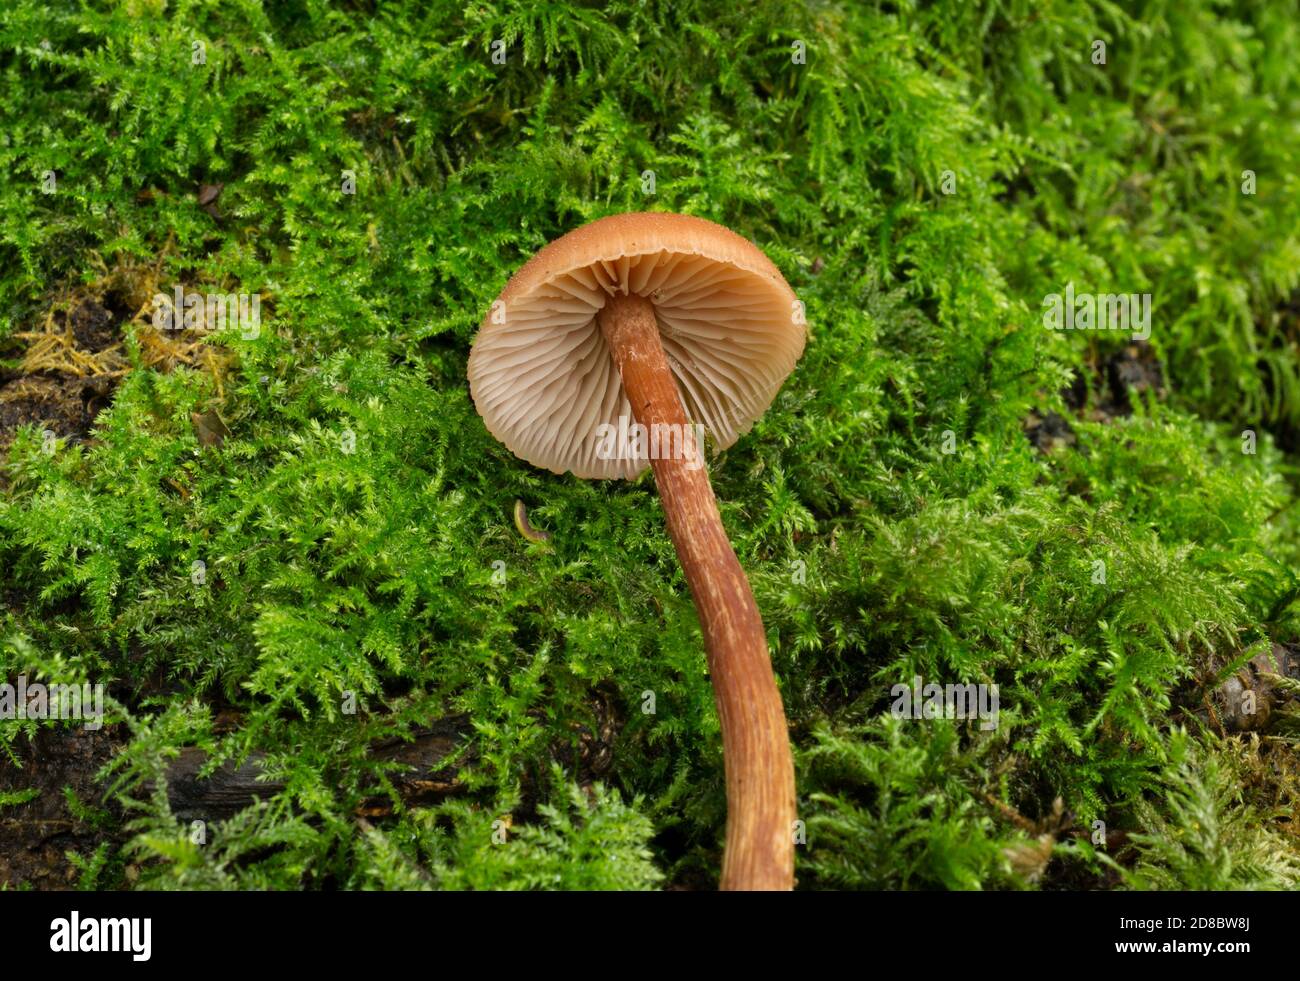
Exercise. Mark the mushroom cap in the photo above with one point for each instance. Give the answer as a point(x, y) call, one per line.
point(541, 373)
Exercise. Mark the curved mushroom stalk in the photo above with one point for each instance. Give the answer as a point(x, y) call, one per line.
point(542, 376)
point(755, 740)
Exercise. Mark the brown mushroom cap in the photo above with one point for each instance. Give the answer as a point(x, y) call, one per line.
point(540, 372)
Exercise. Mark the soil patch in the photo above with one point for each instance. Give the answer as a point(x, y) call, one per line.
point(39, 834)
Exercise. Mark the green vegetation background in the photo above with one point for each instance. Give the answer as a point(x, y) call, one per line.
point(371, 572)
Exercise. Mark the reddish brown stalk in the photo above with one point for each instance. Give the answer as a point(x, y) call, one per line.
point(755, 740)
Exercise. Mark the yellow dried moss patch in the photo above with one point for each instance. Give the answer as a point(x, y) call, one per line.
point(55, 349)
point(54, 346)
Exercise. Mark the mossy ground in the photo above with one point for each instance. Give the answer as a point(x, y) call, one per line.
point(931, 494)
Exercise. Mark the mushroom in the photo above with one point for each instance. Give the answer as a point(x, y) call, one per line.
point(681, 325)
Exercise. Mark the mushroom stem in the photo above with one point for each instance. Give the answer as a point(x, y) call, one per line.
point(755, 741)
